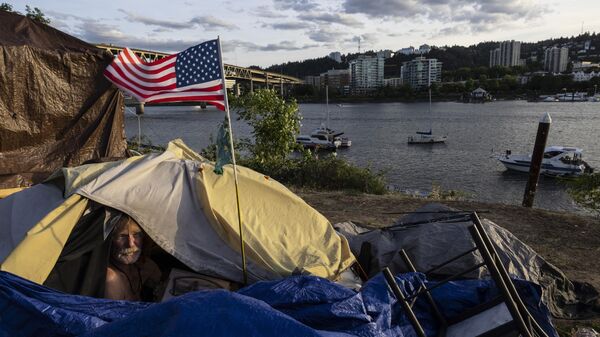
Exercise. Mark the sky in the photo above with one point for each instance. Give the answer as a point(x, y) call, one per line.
point(267, 32)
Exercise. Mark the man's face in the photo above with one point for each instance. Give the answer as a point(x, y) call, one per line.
point(127, 241)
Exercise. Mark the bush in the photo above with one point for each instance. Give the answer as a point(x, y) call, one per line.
point(330, 173)
point(585, 190)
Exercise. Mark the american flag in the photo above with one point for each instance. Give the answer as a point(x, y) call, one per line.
point(191, 75)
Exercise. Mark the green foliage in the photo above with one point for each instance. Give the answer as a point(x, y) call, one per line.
point(330, 173)
point(6, 7)
point(36, 14)
point(585, 190)
point(438, 193)
point(274, 121)
point(145, 146)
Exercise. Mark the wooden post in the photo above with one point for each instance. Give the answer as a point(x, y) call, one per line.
point(536, 159)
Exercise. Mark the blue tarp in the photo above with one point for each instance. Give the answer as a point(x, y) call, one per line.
point(295, 306)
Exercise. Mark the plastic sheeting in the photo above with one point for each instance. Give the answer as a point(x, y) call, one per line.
point(295, 306)
point(434, 233)
point(56, 107)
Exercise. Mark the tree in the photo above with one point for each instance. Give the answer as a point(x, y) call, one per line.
point(275, 124)
point(6, 7)
point(36, 14)
point(585, 190)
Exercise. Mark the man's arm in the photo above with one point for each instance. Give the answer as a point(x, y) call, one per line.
point(115, 288)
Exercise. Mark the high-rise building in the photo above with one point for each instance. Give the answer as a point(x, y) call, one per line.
point(366, 73)
point(336, 78)
point(556, 59)
point(507, 55)
point(421, 72)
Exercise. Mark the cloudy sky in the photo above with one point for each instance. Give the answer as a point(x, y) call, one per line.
point(266, 32)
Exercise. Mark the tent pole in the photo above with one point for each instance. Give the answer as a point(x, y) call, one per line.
point(237, 194)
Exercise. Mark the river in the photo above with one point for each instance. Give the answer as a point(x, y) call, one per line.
point(379, 132)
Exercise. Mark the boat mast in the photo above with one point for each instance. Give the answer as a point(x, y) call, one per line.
point(429, 87)
point(327, 105)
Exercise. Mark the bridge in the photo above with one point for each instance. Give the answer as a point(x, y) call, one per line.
point(236, 78)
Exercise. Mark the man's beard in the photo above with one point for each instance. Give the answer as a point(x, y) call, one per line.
point(128, 255)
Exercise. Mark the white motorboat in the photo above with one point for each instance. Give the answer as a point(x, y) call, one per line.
point(572, 97)
point(318, 142)
point(549, 99)
point(331, 134)
point(557, 161)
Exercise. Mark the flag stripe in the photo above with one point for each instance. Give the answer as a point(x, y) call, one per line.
point(144, 94)
point(194, 77)
point(146, 69)
point(130, 67)
point(166, 82)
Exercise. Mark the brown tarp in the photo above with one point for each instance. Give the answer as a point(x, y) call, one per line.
point(56, 107)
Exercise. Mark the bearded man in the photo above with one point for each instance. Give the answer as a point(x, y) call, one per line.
point(129, 274)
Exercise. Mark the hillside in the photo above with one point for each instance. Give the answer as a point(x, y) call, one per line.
point(454, 57)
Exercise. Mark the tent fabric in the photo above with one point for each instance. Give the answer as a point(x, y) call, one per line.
point(434, 233)
point(190, 212)
point(37, 253)
point(56, 107)
point(294, 306)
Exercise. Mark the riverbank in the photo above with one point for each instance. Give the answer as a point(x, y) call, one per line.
point(569, 241)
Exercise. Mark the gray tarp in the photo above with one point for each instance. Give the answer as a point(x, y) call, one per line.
point(429, 244)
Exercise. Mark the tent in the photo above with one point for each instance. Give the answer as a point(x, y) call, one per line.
point(54, 233)
point(434, 233)
point(56, 107)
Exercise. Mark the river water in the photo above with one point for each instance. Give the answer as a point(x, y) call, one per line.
point(379, 132)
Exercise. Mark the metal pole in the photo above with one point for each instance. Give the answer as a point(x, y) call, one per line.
point(139, 111)
point(497, 278)
point(237, 194)
point(400, 297)
point(536, 159)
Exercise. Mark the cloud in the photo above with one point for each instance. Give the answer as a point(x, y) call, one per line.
point(212, 23)
point(207, 22)
point(483, 14)
point(251, 46)
point(286, 25)
point(266, 12)
point(342, 19)
point(327, 34)
point(297, 5)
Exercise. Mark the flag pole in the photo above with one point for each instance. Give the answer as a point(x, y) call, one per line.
point(237, 193)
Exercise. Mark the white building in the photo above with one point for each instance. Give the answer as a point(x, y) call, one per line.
point(581, 76)
point(556, 59)
point(366, 73)
point(507, 55)
point(385, 53)
point(584, 65)
point(407, 51)
point(421, 72)
point(336, 56)
point(392, 82)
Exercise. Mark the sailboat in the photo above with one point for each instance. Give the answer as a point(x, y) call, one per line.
point(324, 129)
point(427, 137)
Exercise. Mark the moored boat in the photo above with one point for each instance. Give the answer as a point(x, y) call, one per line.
point(557, 161)
point(426, 137)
